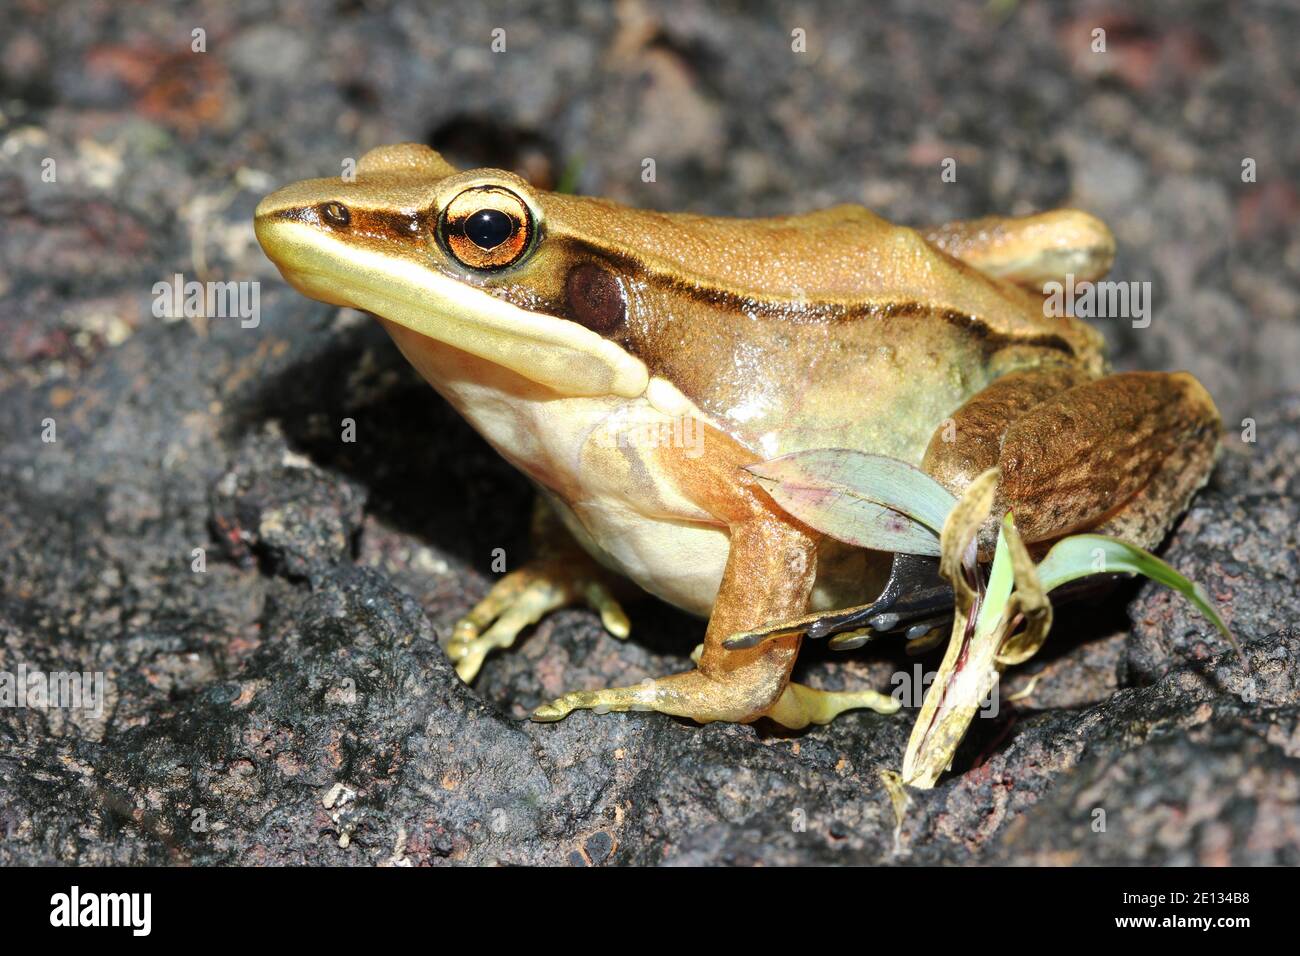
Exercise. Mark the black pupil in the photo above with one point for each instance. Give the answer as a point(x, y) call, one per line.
point(488, 228)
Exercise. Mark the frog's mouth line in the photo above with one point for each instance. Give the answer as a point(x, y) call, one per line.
point(559, 354)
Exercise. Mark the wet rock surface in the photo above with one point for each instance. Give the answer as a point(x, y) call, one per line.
point(265, 597)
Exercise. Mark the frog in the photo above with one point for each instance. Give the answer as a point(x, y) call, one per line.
point(634, 365)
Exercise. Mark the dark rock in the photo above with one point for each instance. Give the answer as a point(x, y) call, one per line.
point(274, 503)
point(1245, 551)
point(1226, 792)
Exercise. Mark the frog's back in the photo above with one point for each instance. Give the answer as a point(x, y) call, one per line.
point(833, 328)
point(843, 256)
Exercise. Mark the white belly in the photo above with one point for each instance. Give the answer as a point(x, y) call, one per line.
point(609, 489)
point(678, 562)
point(683, 563)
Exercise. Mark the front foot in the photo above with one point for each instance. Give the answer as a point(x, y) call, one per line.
point(695, 696)
point(637, 697)
point(522, 598)
point(737, 697)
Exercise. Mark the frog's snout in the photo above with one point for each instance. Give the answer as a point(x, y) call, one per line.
point(283, 206)
point(289, 227)
point(268, 219)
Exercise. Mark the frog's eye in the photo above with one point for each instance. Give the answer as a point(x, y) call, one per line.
point(487, 227)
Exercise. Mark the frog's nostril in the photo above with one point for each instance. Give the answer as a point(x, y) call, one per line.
point(335, 213)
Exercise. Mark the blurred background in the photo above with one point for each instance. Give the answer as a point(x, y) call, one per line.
point(135, 140)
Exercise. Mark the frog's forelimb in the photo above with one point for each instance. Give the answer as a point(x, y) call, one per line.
point(562, 574)
point(769, 574)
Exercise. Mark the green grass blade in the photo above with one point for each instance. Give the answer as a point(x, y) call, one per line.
point(1081, 555)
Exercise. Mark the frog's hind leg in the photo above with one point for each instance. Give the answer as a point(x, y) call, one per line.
point(562, 575)
point(917, 599)
point(1120, 455)
point(1030, 250)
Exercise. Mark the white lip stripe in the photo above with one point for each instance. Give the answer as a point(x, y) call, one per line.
point(553, 352)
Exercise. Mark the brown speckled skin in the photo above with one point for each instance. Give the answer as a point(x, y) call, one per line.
point(1120, 455)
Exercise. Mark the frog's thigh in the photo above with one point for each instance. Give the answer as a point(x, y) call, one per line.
point(1030, 250)
point(969, 442)
point(1121, 455)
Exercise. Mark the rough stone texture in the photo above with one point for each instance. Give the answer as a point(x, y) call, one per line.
point(289, 703)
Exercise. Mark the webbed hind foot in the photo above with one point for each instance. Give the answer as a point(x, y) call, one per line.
point(802, 705)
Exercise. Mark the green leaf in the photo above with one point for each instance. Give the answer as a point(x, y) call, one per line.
point(856, 521)
point(997, 592)
point(869, 501)
point(1082, 555)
